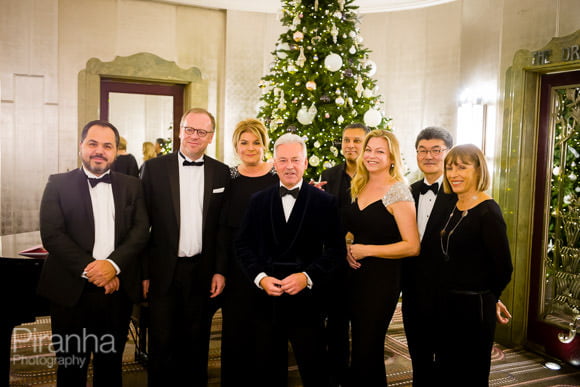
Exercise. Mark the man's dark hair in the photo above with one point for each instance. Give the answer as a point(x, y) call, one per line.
point(104, 123)
point(160, 141)
point(435, 132)
point(357, 125)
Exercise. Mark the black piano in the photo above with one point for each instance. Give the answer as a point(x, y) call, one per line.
point(18, 280)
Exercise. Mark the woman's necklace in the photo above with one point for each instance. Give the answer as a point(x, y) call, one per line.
point(444, 233)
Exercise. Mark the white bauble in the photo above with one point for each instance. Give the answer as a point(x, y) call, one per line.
point(367, 93)
point(280, 53)
point(303, 116)
point(372, 66)
point(372, 117)
point(333, 62)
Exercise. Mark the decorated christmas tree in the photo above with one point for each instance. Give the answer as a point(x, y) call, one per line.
point(320, 79)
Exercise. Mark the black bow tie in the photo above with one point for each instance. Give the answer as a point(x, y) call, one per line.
point(105, 179)
point(433, 187)
point(285, 191)
point(195, 163)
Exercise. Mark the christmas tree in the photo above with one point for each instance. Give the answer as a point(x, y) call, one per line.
point(320, 79)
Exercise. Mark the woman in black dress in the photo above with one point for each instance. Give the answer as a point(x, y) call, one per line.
point(477, 267)
point(383, 225)
point(253, 174)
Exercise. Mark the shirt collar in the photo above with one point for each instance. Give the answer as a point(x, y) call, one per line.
point(187, 158)
point(440, 181)
point(92, 175)
point(299, 185)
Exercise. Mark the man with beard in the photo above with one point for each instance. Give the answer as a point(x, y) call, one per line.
point(93, 223)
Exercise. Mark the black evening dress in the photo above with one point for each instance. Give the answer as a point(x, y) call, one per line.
point(475, 270)
point(236, 356)
point(375, 286)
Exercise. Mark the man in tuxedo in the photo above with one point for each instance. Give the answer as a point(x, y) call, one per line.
point(94, 225)
point(421, 273)
point(336, 181)
point(289, 242)
point(184, 194)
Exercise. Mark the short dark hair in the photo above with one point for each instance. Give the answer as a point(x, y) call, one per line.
point(357, 125)
point(435, 132)
point(160, 141)
point(104, 123)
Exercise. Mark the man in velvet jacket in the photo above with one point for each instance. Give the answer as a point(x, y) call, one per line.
point(289, 242)
point(184, 194)
point(94, 225)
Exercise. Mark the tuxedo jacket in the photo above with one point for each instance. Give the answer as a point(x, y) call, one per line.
point(67, 230)
point(311, 240)
point(160, 179)
point(423, 270)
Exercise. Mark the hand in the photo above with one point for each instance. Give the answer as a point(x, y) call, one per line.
point(218, 283)
point(100, 272)
point(351, 261)
point(272, 286)
point(112, 286)
point(500, 311)
point(318, 185)
point(145, 284)
point(356, 251)
point(294, 283)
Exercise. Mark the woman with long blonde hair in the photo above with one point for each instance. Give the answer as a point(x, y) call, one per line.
point(382, 229)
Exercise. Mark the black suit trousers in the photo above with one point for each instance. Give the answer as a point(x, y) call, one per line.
point(97, 324)
point(179, 333)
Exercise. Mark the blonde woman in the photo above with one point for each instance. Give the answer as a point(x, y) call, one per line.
point(148, 151)
point(382, 224)
point(252, 174)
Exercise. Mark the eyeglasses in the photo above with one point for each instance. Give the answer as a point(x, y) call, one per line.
point(200, 132)
point(435, 152)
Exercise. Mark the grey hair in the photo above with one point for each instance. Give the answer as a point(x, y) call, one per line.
point(290, 138)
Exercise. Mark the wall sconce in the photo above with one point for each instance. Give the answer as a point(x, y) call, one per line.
point(471, 120)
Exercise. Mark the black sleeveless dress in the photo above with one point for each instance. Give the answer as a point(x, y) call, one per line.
point(374, 287)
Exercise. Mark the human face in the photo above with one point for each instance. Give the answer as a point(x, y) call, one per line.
point(290, 163)
point(430, 164)
point(352, 142)
point(376, 156)
point(462, 177)
point(250, 149)
point(98, 150)
point(192, 145)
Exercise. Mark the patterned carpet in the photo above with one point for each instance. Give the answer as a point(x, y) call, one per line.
point(510, 367)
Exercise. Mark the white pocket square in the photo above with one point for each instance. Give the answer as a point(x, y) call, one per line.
point(218, 190)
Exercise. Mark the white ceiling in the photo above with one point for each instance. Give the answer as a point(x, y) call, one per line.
point(273, 6)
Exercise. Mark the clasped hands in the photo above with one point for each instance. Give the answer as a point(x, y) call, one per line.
point(102, 274)
point(293, 284)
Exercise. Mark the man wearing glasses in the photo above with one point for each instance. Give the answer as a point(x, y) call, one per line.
point(184, 194)
point(421, 273)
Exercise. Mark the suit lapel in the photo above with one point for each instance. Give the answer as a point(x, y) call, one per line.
point(441, 209)
point(118, 199)
point(208, 174)
point(173, 176)
point(277, 218)
point(82, 187)
point(298, 213)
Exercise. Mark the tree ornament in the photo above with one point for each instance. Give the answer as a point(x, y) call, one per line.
point(340, 119)
point(352, 50)
point(303, 117)
point(315, 58)
point(291, 68)
point(314, 160)
point(372, 117)
point(301, 58)
point(337, 91)
point(291, 129)
point(338, 15)
point(334, 150)
point(326, 115)
point(316, 144)
point(262, 84)
point(315, 40)
point(352, 34)
point(348, 73)
point(325, 98)
point(298, 36)
point(371, 67)
point(327, 164)
point(341, 4)
point(282, 47)
point(333, 62)
point(311, 85)
point(339, 101)
point(315, 5)
point(312, 110)
point(297, 83)
point(367, 93)
point(295, 100)
point(334, 33)
point(359, 87)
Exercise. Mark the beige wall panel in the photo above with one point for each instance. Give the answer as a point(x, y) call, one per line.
point(44, 45)
point(146, 27)
point(245, 52)
point(569, 17)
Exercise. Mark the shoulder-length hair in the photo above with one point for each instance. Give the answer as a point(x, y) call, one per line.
point(250, 125)
point(468, 154)
point(361, 176)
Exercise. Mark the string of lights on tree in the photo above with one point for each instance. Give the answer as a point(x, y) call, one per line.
point(320, 79)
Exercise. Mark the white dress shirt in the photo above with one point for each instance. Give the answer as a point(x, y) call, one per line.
point(103, 205)
point(425, 206)
point(191, 180)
